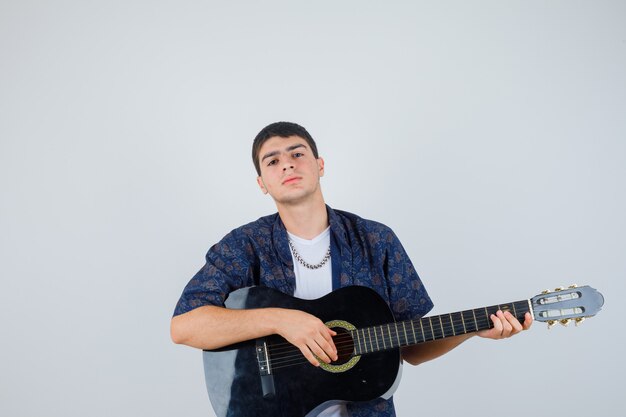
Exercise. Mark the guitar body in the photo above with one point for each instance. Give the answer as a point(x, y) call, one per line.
point(300, 389)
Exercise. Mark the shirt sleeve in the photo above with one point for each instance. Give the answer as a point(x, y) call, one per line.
point(229, 266)
point(408, 296)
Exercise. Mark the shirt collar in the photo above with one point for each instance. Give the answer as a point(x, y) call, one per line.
point(337, 229)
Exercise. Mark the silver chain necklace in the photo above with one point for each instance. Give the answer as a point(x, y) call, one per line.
point(305, 263)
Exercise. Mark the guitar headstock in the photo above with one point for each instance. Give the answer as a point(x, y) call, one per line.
point(565, 304)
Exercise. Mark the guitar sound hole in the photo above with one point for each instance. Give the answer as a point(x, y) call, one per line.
point(344, 344)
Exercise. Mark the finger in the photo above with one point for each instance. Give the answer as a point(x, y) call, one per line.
point(516, 326)
point(309, 355)
point(326, 344)
point(320, 353)
point(497, 325)
point(328, 334)
point(506, 326)
point(528, 321)
point(321, 345)
point(330, 346)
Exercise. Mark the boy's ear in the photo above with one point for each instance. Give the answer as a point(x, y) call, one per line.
point(320, 165)
point(259, 180)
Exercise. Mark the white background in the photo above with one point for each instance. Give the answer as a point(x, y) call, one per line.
point(490, 135)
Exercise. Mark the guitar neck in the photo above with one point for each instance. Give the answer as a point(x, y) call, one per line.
point(411, 332)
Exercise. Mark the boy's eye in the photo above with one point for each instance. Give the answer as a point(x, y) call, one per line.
point(272, 162)
point(298, 154)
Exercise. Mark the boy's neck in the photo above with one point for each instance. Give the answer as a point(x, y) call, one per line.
point(305, 220)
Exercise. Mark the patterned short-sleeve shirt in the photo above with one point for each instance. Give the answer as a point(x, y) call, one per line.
point(363, 252)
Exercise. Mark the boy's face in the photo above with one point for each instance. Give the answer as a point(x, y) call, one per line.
point(290, 172)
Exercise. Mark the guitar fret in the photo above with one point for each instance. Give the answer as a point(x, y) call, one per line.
point(382, 333)
point(397, 334)
point(370, 337)
point(446, 325)
point(443, 332)
point(413, 330)
point(463, 321)
point(406, 338)
point(457, 323)
point(452, 323)
point(469, 316)
point(487, 318)
point(376, 336)
point(364, 340)
point(388, 338)
point(358, 340)
point(487, 324)
point(436, 334)
point(489, 311)
point(475, 321)
point(432, 329)
point(422, 330)
point(467, 322)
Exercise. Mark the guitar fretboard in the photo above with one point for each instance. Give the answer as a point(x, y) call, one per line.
point(411, 332)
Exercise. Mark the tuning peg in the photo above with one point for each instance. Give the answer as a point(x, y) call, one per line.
point(579, 320)
point(573, 286)
point(559, 289)
point(551, 323)
point(564, 322)
point(545, 292)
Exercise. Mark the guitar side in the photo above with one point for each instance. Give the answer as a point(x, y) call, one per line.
point(232, 373)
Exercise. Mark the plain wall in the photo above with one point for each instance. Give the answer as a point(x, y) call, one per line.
point(489, 135)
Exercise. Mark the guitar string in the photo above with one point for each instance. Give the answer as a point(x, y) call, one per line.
point(294, 360)
point(346, 336)
point(298, 359)
point(289, 355)
point(295, 357)
point(387, 339)
point(289, 351)
point(523, 309)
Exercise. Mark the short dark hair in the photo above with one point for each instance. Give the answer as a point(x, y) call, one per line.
point(283, 130)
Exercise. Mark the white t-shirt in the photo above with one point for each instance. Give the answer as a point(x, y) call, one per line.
point(315, 283)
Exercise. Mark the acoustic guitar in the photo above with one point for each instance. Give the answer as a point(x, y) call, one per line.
point(270, 377)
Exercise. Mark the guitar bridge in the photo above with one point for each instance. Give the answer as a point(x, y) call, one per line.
point(265, 369)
